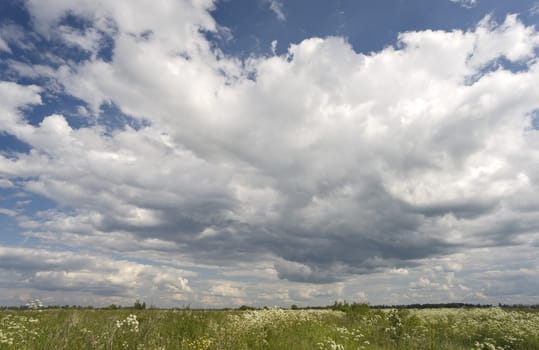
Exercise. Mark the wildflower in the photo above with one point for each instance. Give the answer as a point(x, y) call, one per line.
point(129, 324)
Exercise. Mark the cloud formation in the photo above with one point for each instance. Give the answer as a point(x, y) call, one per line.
point(277, 7)
point(97, 277)
point(323, 162)
point(465, 3)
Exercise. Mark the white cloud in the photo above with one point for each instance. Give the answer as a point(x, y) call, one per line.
point(511, 40)
point(423, 283)
point(226, 290)
point(329, 164)
point(46, 272)
point(309, 293)
point(4, 183)
point(399, 271)
point(88, 40)
point(8, 212)
point(465, 3)
point(13, 97)
point(4, 46)
point(277, 7)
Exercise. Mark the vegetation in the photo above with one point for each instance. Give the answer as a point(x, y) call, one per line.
point(342, 326)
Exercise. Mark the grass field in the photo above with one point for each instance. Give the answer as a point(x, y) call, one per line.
point(358, 328)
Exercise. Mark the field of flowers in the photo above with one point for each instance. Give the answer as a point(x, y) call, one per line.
point(358, 328)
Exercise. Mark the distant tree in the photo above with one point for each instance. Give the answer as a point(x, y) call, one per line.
point(245, 307)
point(139, 306)
point(355, 308)
point(341, 306)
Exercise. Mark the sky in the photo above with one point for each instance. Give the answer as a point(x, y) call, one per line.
point(218, 153)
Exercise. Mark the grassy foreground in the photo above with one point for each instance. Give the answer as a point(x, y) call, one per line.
point(359, 328)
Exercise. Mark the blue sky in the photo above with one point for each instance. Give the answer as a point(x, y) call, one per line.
point(220, 153)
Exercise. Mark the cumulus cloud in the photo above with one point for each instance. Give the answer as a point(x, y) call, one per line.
point(226, 290)
point(327, 162)
point(97, 276)
point(13, 98)
point(309, 293)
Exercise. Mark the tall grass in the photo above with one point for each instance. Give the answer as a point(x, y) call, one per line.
point(357, 328)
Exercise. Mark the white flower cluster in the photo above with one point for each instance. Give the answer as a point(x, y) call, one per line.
point(257, 319)
point(129, 324)
point(330, 344)
point(16, 329)
point(510, 328)
point(487, 345)
point(354, 334)
point(260, 324)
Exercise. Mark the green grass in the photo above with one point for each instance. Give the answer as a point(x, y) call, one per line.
point(360, 328)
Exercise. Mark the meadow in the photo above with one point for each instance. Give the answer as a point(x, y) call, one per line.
point(358, 327)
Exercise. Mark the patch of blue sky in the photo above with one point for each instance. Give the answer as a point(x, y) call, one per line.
point(35, 203)
point(112, 119)
point(73, 109)
point(24, 202)
point(501, 63)
point(513, 66)
point(32, 48)
point(15, 11)
point(368, 26)
point(16, 203)
point(106, 42)
point(10, 232)
point(535, 119)
point(77, 114)
point(11, 145)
